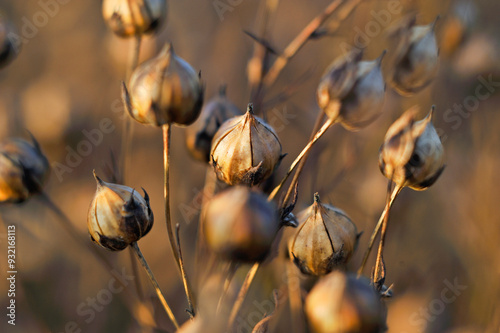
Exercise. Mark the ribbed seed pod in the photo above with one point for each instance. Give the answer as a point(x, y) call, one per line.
point(240, 224)
point(127, 18)
point(8, 50)
point(325, 240)
point(341, 303)
point(23, 169)
point(245, 150)
point(199, 135)
point(118, 216)
point(416, 59)
point(412, 153)
point(165, 89)
point(352, 90)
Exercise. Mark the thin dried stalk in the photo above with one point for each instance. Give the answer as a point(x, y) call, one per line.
point(155, 284)
point(190, 298)
point(383, 216)
point(241, 295)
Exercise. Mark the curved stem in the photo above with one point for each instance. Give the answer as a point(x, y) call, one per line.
point(303, 153)
point(231, 271)
point(155, 284)
point(241, 295)
point(166, 190)
point(187, 286)
point(390, 200)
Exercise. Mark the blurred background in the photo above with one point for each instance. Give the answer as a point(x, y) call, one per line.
point(65, 81)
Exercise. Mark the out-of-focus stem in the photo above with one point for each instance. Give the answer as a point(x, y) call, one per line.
point(187, 287)
point(155, 284)
point(241, 295)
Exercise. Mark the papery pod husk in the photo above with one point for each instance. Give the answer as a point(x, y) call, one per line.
point(245, 150)
point(118, 216)
point(240, 224)
point(128, 18)
point(412, 154)
point(24, 169)
point(325, 239)
point(199, 136)
point(416, 57)
point(343, 303)
point(165, 90)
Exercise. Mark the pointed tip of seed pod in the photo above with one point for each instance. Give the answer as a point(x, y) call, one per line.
point(130, 204)
point(316, 197)
point(381, 57)
point(167, 50)
point(146, 195)
point(34, 141)
point(222, 90)
point(430, 115)
point(433, 24)
point(250, 108)
point(99, 181)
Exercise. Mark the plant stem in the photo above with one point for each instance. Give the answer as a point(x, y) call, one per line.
point(295, 299)
point(299, 41)
point(155, 284)
point(187, 287)
point(383, 217)
point(295, 179)
point(304, 152)
point(135, 272)
point(166, 190)
point(241, 295)
point(231, 271)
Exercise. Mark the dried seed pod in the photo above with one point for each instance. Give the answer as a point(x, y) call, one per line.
point(128, 18)
point(118, 216)
point(165, 89)
point(8, 50)
point(412, 154)
point(240, 224)
point(352, 90)
point(416, 57)
point(199, 136)
point(245, 150)
point(326, 239)
point(341, 303)
point(23, 169)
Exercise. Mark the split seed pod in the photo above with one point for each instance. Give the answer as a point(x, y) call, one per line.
point(341, 303)
point(8, 50)
point(127, 18)
point(164, 90)
point(245, 150)
point(412, 153)
point(352, 90)
point(199, 136)
point(118, 216)
point(240, 224)
point(326, 239)
point(416, 59)
point(23, 170)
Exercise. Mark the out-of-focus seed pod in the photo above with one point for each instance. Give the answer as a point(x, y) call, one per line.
point(416, 58)
point(118, 216)
point(128, 18)
point(245, 150)
point(352, 90)
point(412, 153)
point(23, 169)
point(457, 27)
point(8, 50)
point(199, 135)
point(341, 303)
point(165, 89)
point(240, 224)
point(326, 239)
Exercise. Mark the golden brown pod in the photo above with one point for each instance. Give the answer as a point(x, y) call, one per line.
point(352, 90)
point(8, 51)
point(412, 154)
point(240, 224)
point(24, 169)
point(199, 135)
point(165, 89)
point(128, 18)
point(416, 59)
point(341, 303)
point(118, 216)
point(245, 150)
point(325, 240)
